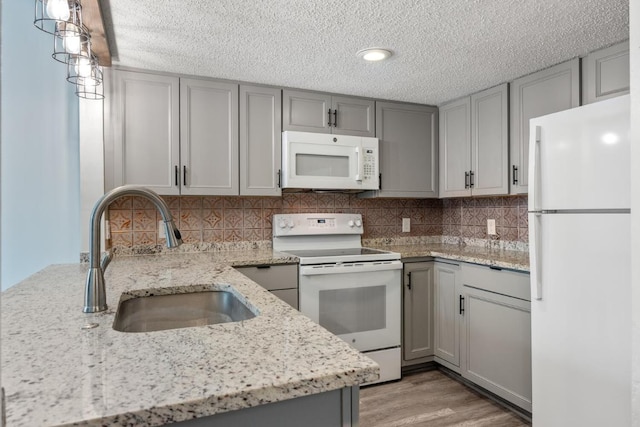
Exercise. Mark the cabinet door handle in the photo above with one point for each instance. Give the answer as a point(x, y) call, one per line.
point(279, 178)
point(409, 280)
point(176, 174)
point(466, 180)
point(184, 175)
point(263, 267)
point(514, 174)
point(461, 304)
point(329, 117)
point(335, 118)
point(471, 180)
point(380, 181)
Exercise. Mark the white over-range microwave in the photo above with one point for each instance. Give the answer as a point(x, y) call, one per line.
point(329, 162)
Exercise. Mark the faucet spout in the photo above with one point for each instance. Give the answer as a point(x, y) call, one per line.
point(95, 299)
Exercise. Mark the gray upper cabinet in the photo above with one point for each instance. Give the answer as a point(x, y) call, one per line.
point(548, 91)
point(408, 137)
point(418, 312)
point(474, 144)
point(605, 73)
point(208, 137)
point(172, 135)
point(353, 116)
point(260, 141)
point(142, 138)
point(455, 148)
point(490, 142)
point(323, 113)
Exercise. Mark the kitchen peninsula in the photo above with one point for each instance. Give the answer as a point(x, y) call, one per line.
point(57, 373)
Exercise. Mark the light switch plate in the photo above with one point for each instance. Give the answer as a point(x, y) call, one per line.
point(161, 234)
point(406, 225)
point(491, 227)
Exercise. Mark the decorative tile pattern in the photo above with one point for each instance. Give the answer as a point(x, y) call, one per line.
point(217, 219)
point(144, 219)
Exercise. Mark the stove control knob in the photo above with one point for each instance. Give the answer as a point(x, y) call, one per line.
point(291, 224)
point(282, 223)
point(351, 223)
point(358, 223)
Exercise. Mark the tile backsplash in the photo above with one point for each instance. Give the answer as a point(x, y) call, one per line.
point(134, 221)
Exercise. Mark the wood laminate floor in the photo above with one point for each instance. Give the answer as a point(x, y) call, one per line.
point(431, 399)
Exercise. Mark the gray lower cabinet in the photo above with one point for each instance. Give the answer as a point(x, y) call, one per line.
point(172, 135)
point(142, 135)
point(447, 300)
point(417, 333)
point(408, 137)
point(605, 73)
point(336, 408)
point(260, 141)
point(324, 113)
point(544, 92)
point(280, 279)
point(496, 332)
point(474, 144)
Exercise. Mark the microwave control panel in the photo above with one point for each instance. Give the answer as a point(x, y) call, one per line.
point(369, 164)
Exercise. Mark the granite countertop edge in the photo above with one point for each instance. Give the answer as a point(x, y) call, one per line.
point(508, 259)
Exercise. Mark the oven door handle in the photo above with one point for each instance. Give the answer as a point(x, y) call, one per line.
point(316, 270)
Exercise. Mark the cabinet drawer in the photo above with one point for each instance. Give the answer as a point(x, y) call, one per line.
point(273, 277)
point(506, 282)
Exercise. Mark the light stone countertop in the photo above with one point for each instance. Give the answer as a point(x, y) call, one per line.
point(56, 373)
point(515, 260)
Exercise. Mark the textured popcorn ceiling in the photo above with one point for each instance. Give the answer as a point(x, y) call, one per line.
point(443, 49)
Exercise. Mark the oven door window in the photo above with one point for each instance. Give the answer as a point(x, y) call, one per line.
point(346, 311)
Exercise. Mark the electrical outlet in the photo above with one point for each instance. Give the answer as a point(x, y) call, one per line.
point(161, 234)
point(491, 227)
point(406, 225)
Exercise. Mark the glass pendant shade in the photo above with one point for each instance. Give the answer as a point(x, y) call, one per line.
point(48, 13)
point(84, 66)
point(69, 41)
point(92, 87)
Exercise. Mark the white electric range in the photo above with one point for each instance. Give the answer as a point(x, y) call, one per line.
point(353, 291)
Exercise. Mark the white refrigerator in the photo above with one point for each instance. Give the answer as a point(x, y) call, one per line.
point(579, 244)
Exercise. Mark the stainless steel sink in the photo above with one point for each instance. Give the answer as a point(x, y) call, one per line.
point(161, 312)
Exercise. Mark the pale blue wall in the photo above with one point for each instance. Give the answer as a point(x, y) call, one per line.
point(39, 171)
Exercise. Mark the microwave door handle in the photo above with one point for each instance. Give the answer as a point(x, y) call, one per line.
point(360, 165)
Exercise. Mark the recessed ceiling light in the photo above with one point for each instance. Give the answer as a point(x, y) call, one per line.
point(374, 54)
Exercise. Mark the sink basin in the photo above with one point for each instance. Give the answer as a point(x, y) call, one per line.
point(161, 312)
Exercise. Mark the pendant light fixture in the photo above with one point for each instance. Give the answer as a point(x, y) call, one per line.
point(48, 13)
point(69, 41)
point(91, 87)
point(71, 44)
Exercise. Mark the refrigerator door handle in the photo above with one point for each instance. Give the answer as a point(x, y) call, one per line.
point(535, 244)
point(534, 171)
